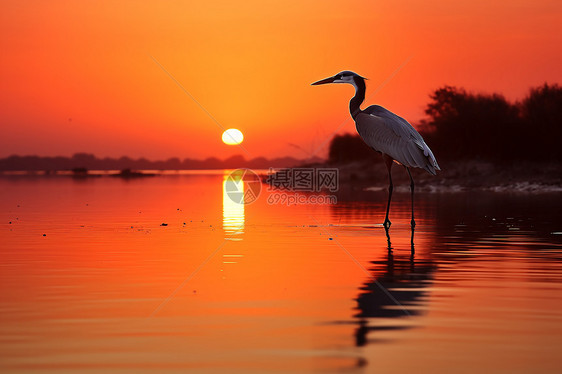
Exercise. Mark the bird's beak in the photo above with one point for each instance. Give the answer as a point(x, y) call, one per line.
point(324, 81)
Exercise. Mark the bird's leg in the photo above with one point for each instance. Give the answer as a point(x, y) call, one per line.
point(389, 244)
point(388, 161)
point(412, 247)
point(413, 222)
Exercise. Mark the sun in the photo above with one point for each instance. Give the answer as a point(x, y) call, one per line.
point(232, 137)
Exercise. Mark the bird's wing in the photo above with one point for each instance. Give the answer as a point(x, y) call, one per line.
point(388, 133)
point(397, 124)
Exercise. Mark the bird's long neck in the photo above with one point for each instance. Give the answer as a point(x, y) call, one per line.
point(355, 102)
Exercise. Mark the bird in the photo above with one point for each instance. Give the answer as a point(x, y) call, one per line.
point(388, 134)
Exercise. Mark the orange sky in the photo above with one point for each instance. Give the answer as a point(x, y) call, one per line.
point(80, 76)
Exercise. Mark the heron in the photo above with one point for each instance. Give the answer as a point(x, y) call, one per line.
point(388, 134)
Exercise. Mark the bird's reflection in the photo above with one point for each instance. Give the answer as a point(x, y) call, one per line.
point(389, 243)
point(396, 289)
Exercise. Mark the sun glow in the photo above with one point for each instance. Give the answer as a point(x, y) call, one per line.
point(232, 137)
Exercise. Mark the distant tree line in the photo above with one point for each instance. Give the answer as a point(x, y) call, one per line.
point(468, 126)
point(85, 161)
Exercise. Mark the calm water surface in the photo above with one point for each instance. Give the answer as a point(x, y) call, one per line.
point(92, 281)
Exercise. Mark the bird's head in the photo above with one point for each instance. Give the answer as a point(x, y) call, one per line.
point(342, 77)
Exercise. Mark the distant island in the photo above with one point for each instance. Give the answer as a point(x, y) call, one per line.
point(86, 161)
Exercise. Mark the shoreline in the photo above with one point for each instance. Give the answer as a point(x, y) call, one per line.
point(460, 176)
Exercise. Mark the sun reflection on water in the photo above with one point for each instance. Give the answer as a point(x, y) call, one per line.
point(233, 218)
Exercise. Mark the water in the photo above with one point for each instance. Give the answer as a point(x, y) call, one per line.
point(91, 280)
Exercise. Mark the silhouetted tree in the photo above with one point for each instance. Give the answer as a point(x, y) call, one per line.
point(541, 113)
point(84, 160)
point(173, 163)
point(347, 147)
point(468, 126)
